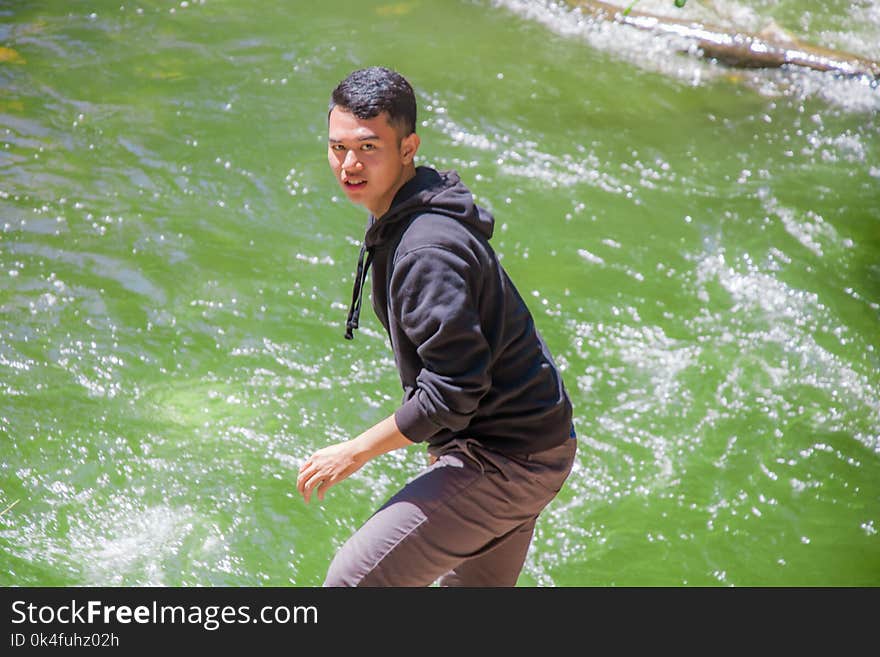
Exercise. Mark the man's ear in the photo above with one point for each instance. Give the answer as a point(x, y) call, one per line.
point(409, 146)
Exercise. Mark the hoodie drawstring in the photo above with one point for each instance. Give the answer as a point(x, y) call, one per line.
point(357, 293)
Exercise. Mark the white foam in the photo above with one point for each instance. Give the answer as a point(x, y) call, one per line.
point(661, 53)
point(808, 228)
point(131, 545)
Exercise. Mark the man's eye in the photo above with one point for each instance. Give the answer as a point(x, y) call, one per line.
point(337, 147)
point(368, 147)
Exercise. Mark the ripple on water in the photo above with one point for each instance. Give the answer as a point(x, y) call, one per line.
point(760, 386)
point(778, 330)
point(523, 158)
point(105, 267)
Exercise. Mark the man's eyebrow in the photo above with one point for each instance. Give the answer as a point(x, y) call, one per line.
point(369, 137)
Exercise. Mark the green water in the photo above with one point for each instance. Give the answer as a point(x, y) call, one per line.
point(700, 247)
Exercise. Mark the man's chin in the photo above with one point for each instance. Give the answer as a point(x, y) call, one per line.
point(355, 195)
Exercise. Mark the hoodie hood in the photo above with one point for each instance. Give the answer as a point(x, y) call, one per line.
point(439, 192)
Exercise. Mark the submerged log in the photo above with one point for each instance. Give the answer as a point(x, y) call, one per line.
point(738, 49)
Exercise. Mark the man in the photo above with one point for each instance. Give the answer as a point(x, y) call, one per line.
point(480, 386)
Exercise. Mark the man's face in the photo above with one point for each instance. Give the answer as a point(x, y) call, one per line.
point(370, 160)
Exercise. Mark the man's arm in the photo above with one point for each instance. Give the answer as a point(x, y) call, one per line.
point(332, 464)
point(434, 296)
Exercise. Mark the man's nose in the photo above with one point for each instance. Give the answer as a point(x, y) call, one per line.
point(351, 161)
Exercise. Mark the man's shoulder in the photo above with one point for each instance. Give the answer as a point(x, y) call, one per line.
point(429, 229)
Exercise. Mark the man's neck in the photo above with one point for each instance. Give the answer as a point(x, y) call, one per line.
point(408, 174)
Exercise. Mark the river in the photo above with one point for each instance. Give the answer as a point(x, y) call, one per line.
point(700, 247)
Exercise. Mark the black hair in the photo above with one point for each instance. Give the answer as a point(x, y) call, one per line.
point(368, 92)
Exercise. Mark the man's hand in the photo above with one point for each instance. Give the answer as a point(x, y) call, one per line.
point(330, 465)
point(326, 467)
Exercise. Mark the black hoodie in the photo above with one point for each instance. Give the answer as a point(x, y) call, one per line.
point(470, 358)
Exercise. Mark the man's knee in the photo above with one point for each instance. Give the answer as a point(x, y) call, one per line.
point(349, 566)
point(345, 575)
point(338, 575)
point(382, 551)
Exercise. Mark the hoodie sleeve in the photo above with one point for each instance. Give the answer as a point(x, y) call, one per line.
point(433, 296)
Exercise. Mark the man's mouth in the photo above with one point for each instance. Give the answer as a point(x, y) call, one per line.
point(354, 183)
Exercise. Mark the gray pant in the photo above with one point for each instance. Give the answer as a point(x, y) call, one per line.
point(467, 520)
